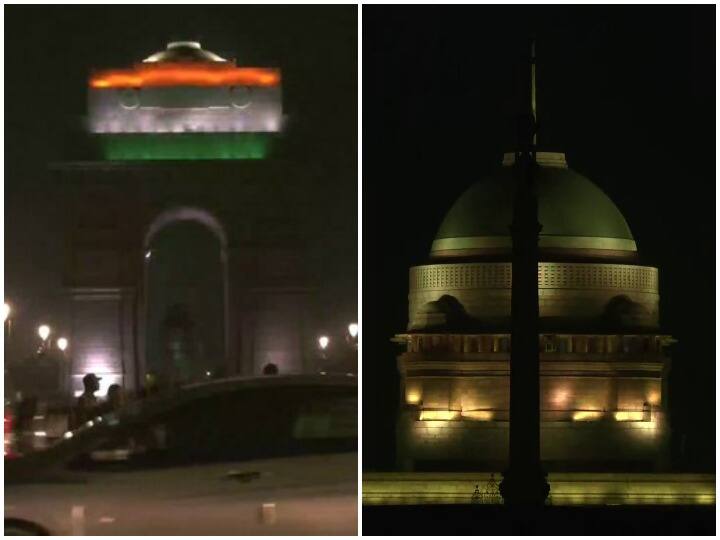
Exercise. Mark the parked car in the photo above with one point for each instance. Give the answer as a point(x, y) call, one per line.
point(9, 442)
point(9, 438)
point(271, 455)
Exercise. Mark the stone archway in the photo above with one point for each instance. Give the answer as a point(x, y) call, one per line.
point(162, 221)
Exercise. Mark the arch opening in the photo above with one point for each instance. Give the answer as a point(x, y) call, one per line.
point(184, 333)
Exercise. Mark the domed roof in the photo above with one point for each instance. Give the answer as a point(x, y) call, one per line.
point(576, 216)
point(183, 51)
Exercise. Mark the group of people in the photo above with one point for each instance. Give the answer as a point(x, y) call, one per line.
point(89, 406)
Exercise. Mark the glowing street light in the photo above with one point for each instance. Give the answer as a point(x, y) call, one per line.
point(7, 322)
point(323, 341)
point(62, 344)
point(353, 329)
point(43, 331)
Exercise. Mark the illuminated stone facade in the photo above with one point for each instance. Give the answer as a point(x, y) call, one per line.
point(602, 363)
point(266, 262)
point(568, 291)
point(267, 216)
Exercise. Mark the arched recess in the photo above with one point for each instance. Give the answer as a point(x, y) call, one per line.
point(185, 213)
point(164, 219)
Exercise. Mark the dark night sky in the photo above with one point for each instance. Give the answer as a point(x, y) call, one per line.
point(49, 54)
point(627, 92)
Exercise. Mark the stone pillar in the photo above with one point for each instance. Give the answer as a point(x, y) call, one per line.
point(102, 336)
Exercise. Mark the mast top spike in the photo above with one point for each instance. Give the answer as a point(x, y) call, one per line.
point(533, 88)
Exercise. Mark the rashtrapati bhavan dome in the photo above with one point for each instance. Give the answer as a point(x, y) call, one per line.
point(603, 367)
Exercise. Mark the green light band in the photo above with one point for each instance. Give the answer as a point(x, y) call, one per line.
point(566, 242)
point(185, 146)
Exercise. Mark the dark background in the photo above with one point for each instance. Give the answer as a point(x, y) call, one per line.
point(627, 92)
point(50, 52)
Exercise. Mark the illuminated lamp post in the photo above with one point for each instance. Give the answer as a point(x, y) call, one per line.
point(352, 338)
point(353, 330)
point(323, 342)
point(44, 333)
point(7, 324)
point(62, 344)
point(7, 320)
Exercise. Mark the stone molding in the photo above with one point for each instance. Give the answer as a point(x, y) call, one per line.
point(553, 275)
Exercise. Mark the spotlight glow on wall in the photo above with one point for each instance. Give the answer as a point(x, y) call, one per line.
point(478, 415)
point(412, 398)
point(561, 397)
point(629, 416)
point(439, 415)
point(584, 416)
point(106, 380)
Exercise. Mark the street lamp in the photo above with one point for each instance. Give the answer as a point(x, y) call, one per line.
point(353, 329)
point(323, 341)
point(7, 321)
point(43, 332)
point(62, 344)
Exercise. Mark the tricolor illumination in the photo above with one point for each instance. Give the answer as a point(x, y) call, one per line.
point(176, 99)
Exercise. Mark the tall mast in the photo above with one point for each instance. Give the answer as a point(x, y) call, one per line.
point(533, 88)
point(524, 482)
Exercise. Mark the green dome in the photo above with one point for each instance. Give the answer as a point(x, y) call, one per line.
point(575, 215)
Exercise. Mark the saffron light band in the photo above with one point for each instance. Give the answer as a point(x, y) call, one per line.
point(185, 75)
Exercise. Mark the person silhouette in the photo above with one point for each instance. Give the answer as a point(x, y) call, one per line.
point(270, 369)
point(115, 397)
point(87, 403)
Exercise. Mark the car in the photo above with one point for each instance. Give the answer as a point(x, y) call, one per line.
point(243, 456)
point(9, 438)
